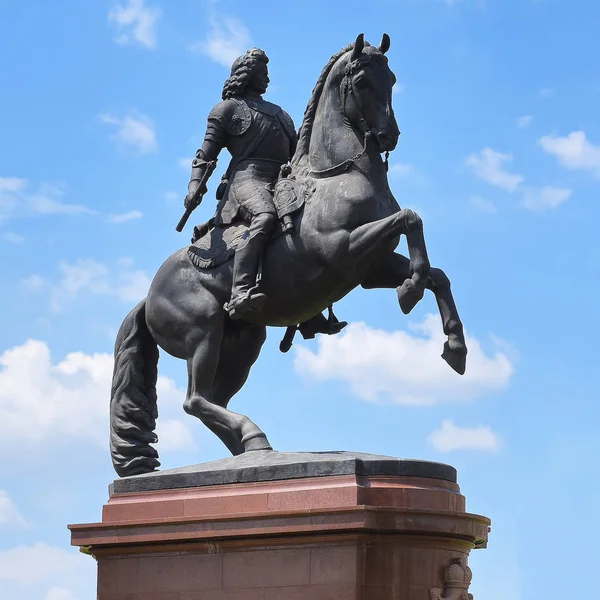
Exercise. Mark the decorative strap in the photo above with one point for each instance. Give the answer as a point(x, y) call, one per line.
point(343, 166)
point(349, 162)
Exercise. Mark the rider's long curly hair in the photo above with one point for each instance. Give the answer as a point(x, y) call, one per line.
point(242, 72)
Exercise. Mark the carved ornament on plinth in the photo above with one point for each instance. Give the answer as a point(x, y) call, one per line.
point(458, 579)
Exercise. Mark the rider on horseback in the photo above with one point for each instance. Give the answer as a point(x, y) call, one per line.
point(261, 138)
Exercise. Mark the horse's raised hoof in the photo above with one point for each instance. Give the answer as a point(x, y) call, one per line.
point(409, 294)
point(257, 442)
point(455, 357)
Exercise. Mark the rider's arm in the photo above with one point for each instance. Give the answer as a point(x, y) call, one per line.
point(214, 142)
point(215, 139)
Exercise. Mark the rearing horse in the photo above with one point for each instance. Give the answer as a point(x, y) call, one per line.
point(343, 237)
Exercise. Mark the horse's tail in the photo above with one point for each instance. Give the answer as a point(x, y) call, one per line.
point(133, 407)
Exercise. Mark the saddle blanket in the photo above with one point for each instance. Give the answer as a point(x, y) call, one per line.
point(216, 245)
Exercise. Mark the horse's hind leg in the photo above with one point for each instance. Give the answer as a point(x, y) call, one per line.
point(394, 270)
point(206, 401)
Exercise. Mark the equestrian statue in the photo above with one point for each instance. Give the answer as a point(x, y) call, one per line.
point(301, 221)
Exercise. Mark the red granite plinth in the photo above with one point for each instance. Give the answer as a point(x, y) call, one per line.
point(323, 538)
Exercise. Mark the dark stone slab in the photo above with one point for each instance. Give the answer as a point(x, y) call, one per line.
point(269, 465)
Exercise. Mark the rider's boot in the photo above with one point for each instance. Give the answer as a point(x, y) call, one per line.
point(321, 324)
point(318, 324)
point(245, 297)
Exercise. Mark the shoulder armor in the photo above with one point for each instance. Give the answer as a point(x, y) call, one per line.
point(233, 114)
point(287, 122)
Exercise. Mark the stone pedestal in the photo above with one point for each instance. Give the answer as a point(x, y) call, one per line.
point(275, 526)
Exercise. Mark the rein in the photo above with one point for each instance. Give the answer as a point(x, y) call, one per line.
point(343, 166)
point(347, 164)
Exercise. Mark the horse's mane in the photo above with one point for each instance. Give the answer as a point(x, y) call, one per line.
point(311, 107)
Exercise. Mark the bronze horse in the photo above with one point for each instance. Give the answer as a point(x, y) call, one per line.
point(343, 237)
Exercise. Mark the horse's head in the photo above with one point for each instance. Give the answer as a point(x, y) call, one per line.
point(366, 90)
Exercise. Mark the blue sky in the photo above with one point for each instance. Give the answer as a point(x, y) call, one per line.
point(103, 104)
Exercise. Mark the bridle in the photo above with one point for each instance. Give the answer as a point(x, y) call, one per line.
point(347, 90)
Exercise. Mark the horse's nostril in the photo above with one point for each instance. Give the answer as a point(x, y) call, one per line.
point(382, 137)
point(386, 140)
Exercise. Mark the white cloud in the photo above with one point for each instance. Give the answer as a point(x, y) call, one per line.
point(400, 169)
point(83, 275)
point(483, 204)
point(506, 347)
point(9, 514)
point(489, 166)
point(12, 184)
point(172, 196)
point(398, 88)
point(87, 275)
point(185, 163)
point(547, 92)
point(227, 39)
point(60, 593)
point(41, 563)
point(545, 198)
point(16, 200)
point(573, 151)
point(524, 122)
point(46, 571)
point(13, 238)
point(450, 437)
point(401, 367)
point(124, 217)
point(135, 22)
point(69, 400)
point(136, 132)
point(34, 283)
point(174, 436)
point(132, 286)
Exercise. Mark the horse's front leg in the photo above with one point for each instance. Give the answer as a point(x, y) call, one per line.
point(372, 236)
point(394, 270)
point(412, 289)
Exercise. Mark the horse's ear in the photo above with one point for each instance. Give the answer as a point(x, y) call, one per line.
point(385, 43)
point(359, 44)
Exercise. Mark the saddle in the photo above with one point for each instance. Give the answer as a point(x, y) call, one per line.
point(214, 245)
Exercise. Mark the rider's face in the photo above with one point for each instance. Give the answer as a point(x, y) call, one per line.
point(260, 81)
